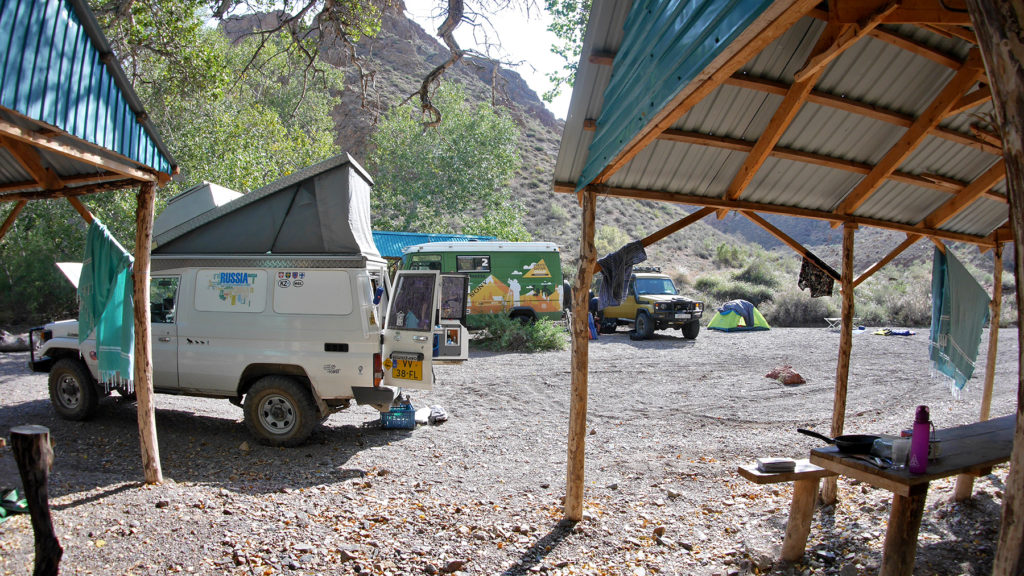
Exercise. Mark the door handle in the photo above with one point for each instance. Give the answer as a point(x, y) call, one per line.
point(164, 339)
point(420, 338)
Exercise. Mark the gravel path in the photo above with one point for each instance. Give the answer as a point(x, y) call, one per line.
point(669, 421)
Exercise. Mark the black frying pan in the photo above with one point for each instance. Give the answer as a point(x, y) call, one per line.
point(848, 443)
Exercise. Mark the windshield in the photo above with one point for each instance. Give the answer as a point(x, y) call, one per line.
point(655, 286)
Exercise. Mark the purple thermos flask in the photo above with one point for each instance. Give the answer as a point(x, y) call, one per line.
point(919, 441)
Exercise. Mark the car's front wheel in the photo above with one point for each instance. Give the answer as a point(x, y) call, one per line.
point(644, 327)
point(280, 412)
point(691, 329)
point(73, 390)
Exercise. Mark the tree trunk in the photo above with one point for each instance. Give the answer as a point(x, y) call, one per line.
point(143, 347)
point(998, 28)
point(829, 488)
point(580, 359)
point(31, 446)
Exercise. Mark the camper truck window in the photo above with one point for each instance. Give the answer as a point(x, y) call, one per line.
point(425, 262)
point(472, 263)
point(162, 295)
point(412, 306)
point(655, 286)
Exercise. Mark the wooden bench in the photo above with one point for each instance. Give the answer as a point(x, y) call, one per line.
point(805, 480)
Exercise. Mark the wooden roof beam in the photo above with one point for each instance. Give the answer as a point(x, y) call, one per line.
point(792, 243)
point(770, 25)
point(953, 31)
point(29, 159)
point(976, 98)
point(954, 89)
point(68, 192)
point(970, 193)
point(15, 132)
point(841, 36)
point(906, 12)
point(833, 38)
point(11, 217)
point(911, 239)
point(602, 58)
point(892, 37)
point(867, 110)
point(69, 183)
point(718, 202)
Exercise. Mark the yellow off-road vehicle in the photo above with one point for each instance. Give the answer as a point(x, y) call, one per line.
point(652, 303)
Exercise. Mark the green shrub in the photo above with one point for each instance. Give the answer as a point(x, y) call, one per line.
point(729, 255)
point(795, 307)
point(719, 290)
point(759, 272)
point(501, 333)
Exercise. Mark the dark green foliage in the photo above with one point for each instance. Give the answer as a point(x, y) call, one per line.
point(759, 272)
point(719, 290)
point(501, 333)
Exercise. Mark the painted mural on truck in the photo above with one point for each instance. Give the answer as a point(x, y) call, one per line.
point(504, 277)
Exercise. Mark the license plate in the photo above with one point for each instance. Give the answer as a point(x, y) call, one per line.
point(683, 316)
point(407, 370)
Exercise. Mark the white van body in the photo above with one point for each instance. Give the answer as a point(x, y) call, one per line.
point(289, 337)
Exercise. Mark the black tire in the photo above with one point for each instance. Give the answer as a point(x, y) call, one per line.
point(691, 329)
point(280, 412)
point(644, 327)
point(524, 318)
point(73, 390)
point(606, 326)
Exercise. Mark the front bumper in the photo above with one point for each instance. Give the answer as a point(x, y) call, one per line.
point(676, 317)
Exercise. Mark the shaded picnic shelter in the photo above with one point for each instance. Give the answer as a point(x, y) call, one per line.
point(72, 125)
point(865, 113)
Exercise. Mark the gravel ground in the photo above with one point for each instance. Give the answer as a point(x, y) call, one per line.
point(669, 420)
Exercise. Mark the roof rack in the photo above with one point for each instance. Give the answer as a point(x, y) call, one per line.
point(646, 268)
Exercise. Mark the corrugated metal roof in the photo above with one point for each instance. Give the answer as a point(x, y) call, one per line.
point(862, 106)
point(393, 244)
point(56, 67)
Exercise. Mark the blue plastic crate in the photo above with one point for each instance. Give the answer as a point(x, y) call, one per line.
point(399, 417)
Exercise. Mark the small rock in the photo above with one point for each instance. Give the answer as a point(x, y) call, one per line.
point(613, 486)
point(672, 493)
point(430, 569)
point(659, 531)
point(346, 556)
point(848, 570)
point(545, 485)
point(162, 503)
point(244, 446)
point(688, 546)
point(454, 566)
point(593, 431)
point(665, 541)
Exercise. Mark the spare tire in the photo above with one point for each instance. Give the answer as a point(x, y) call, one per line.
point(566, 295)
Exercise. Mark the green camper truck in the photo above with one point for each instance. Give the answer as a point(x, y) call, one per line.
point(520, 279)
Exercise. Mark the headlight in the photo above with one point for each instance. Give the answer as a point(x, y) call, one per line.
point(699, 306)
point(661, 306)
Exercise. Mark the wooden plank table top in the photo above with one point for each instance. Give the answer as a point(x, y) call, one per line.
point(971, 449)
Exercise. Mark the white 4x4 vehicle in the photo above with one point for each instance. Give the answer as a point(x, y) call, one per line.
point(291, 337)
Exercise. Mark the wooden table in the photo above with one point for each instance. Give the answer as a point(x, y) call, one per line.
point(972, 449)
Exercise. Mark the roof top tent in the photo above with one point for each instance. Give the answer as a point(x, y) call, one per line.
point(322, 209)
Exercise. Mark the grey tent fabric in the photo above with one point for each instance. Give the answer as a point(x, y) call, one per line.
point(322, 209)
point(616, 268)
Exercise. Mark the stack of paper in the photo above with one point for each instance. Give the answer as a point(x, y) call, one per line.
point(776, 464)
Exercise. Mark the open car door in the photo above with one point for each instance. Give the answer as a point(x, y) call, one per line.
point(451, 333)
point(409, 330)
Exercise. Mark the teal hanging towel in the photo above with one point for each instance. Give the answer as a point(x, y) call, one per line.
point(105, 304)
point(960, 308)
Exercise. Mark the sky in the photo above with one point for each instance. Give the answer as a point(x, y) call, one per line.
point(523, 38)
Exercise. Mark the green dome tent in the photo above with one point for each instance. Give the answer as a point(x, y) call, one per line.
point(738, 316)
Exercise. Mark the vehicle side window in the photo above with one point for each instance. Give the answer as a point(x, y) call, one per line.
point(412, 306)
point(163, 294)
point(425, 262)
point(472, 263)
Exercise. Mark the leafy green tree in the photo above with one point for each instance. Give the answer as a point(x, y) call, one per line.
point(237, 115)
point(449, 177)
point(569, 24)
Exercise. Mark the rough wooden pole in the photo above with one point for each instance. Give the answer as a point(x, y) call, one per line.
point(829, 488)
point(965, 482)
point(31, 446)
point(998, 28)
point(11, 217)
point(143, 348)
point(580, 360)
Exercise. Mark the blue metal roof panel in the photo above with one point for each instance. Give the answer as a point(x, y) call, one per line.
point(53, 70)
point(392, 244)
point(665, 46)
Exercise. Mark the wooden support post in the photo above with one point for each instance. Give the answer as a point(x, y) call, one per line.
point(829, 488)
point(965, 482)
point(11, 217)
point(901, 537)
point(580, 360)
point(997, 26)
point(143, 347)
point(81, 209)
point(31, 446)
point(801, 511)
